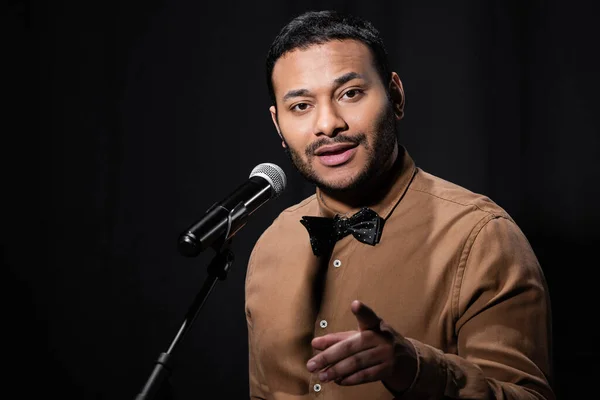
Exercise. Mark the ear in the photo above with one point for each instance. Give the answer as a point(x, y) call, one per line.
point(273, 112)
point(397, 96)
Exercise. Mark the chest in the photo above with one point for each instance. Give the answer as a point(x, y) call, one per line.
point(406, 279)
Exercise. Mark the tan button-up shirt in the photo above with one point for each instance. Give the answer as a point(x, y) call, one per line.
point(452, 272)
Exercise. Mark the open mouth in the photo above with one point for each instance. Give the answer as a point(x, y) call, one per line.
point(336, 154)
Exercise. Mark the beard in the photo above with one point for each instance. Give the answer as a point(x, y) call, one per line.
point(378, 155)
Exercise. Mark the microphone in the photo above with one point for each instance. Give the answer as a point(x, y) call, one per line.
point(223, 219)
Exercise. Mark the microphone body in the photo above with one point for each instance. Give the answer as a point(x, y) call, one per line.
point(224, 219)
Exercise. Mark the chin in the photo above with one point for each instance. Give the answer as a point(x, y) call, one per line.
point(340, 183)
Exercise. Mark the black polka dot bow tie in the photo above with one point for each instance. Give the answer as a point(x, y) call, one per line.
point(366, 226)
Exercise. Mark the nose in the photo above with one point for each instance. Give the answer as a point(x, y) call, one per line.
point(329, 121)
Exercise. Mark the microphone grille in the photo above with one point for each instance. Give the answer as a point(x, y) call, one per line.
point(273, 174)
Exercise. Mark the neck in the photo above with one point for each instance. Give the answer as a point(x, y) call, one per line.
point(370, 193)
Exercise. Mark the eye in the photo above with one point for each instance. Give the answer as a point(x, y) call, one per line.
point(352, 94)
point(300, 107)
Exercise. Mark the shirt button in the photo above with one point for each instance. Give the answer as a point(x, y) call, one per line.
point(337, 263)
point(323, 324)
point(317, 387)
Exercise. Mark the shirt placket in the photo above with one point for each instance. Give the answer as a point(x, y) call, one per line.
point(338, 263)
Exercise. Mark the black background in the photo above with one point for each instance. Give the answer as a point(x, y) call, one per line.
point(124, 121)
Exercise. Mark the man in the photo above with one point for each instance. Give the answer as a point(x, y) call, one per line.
point(388, 282)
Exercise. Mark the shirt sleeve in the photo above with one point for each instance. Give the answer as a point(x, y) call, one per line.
point(257, 390)
point(502, 319)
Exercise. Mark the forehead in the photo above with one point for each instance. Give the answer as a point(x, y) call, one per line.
point(319, 65)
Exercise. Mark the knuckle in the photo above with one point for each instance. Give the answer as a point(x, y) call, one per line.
point(347, 346)
point(362, 375)
point(387, 352)
point(332, 372)
point(370, 375)
point(372, 337)
point(356, 363)
point(367, 335)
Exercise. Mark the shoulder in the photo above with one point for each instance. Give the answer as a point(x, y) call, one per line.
point(290, 217)
point(450, 196)
point(451, 210)
point(286, 226)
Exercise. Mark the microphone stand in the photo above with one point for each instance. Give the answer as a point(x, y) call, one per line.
point(217, 270)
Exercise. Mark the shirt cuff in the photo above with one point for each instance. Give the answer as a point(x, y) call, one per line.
point(430, 379)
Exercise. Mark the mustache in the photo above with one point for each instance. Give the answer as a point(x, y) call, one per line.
point(355, 140)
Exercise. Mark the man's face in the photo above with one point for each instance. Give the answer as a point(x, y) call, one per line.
point(334, 114)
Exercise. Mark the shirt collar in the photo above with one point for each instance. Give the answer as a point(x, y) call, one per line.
point(403, 171)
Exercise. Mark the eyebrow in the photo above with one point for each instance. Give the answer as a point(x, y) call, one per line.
point(339, 81)
point(296, 93)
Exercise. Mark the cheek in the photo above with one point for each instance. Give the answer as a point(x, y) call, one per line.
point(357, 120)
point(363, 119)
point(297, 135)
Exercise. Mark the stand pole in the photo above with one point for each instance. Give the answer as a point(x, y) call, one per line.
point(217, 270)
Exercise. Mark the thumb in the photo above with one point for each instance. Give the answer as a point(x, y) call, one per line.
point(367, 319)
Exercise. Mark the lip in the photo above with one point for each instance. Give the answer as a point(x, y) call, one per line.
point(333, 148)
point(335, 155)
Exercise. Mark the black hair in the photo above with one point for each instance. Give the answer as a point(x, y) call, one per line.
point(318, 27)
